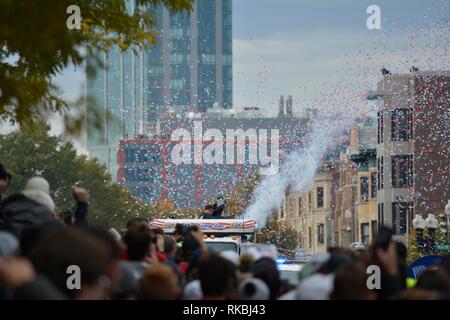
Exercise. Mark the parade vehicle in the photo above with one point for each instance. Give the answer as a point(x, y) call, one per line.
point(289, 271)
point(357, 246)
point(218, 234)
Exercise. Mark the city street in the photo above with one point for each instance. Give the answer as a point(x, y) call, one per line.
point(226, 155)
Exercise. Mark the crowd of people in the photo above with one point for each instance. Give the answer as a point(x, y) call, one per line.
point(39, 247)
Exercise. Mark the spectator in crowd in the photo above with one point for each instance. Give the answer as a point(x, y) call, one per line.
point(434, 280)
point(418, 294)
point(79, 216)
point(445, 265)
point(170, 249)
point(36, 249)
point(245, 263)
point(139, 240)
point(33, 206)
point(350, 283)
point(51, 258)
point(217, 277)
point(253, 289)
point(159, 283)
point(159, 245)
point(193, 291)
point(9, 245)
point(391, 277)
point(266, 269)
point(132, 223)
point(179, 233)
point(5, 180)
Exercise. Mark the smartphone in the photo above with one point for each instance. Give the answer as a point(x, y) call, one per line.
point(384, 238)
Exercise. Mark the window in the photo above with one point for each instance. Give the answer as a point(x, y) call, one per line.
point(402, 171)
point(177, 83)
point(373, 185)
point(401, 211)
point(380, 167)
point(139, 174)
point(148, 154)
point(381, 214)
point(374, 225)
point(320, 197)
point(380, 130)
point(300, 205)
point(401, 125)
point(309, 199)
point(364, 188)
point(208, 58)
point(365, 233)
point(227, 59)
point(309, 237)
point(320, 233)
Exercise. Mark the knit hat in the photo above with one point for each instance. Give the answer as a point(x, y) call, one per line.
point(8, 244)
point(253, 289)
point(38, 190)
point(115, 234)
point(314, 265)
point(316, 287)
point(231, 256)
point(3, 172)
point(193, 291)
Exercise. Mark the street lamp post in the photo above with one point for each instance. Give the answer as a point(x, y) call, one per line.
point(447, 219)
point(419, 226)
point(431, 224)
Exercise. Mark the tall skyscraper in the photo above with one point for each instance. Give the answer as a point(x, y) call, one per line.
point(189, 70)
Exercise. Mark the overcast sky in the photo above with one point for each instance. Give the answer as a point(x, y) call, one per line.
point(306, 47)
point(309, 48)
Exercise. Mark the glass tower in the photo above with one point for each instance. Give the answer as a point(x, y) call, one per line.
point(188, 70)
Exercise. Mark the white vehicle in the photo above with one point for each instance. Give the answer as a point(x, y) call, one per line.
point(289, 272)
point(357, 246)
point(219, 234)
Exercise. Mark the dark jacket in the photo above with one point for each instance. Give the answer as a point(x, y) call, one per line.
point(18, 212)
point(80, 214)
point(39, 289)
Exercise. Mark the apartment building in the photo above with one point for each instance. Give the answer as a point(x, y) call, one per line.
point(310, 212)
point(412, 147)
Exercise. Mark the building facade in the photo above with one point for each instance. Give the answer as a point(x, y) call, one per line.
point(146, 166)
point(188, 70)
point(390, 171)
point(311, 212)
point(412, 147)
point(341, 206)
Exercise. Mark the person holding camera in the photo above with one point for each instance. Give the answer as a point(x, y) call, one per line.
point(79, 216)
point(34, 206)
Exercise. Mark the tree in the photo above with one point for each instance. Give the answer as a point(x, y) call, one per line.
point(239, 199)
point(36, 44)
point(440, 237)
point(278, 233)
point(32, 151)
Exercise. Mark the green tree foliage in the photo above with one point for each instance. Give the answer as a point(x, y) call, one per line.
point(440, 236)
point(239, 199)
point(278, 233)
point(32, 151)
point(36, 45)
